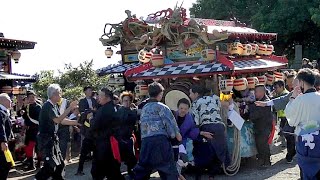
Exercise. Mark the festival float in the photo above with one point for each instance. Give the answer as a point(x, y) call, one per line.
point(226, 57)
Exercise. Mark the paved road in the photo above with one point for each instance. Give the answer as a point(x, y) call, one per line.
point(279, 170)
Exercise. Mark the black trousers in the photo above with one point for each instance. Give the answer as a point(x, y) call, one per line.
point(4, 167)
point(127, 154)
point(53, 162)
point(291, 146)
point(261, 138)
point(86, 148)
point(103, 163)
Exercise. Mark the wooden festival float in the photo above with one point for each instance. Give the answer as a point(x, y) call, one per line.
point(224, 56)
point(13, 84)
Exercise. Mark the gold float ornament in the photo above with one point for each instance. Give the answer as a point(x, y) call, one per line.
point(226, 96)
point(270, 49)
point(252, 82)
point(278, 76)
point(157, 60)
point(255, 48)
point(192, 51)
point(270, 79)
point(262, 79)
point(141, 90)
point(226, 85)
point(262, 49)
point(247, 50)
point(144, 56)
point(208, 54)
point(240, 84)
point(235, 48)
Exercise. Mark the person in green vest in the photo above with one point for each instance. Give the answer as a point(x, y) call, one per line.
point(285, 130)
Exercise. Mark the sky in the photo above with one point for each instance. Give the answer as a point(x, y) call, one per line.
point(68, 31)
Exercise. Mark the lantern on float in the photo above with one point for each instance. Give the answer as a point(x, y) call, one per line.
point(235, 48)
point(240, 84)
point(144, 56)
point(247, 50)
point(15, 55)
point(270, 79)
point(262, 50)
point(208, 54)
point(270, 49)
point(252, 82)
point(226, 85)
point(255, 48)
point(108, 52)
point(262, 79)
point(157, 60)
point(278, 76)
point(141, 90)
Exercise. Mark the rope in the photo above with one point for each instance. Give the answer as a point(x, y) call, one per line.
point(234, 167)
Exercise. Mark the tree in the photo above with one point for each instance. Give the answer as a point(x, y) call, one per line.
point(72, 80)
point(295, 21)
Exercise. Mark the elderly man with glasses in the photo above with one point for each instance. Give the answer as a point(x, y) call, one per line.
point(49, 121)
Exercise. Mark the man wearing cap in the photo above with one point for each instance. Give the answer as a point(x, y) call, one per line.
point(31, 117)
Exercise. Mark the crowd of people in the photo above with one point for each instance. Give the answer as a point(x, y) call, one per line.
point(148, 136)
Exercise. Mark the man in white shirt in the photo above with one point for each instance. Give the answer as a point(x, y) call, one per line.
point(303, 112)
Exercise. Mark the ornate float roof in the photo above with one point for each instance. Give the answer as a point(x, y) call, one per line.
point(5, 76)
point(16, 44)
point(119, 68)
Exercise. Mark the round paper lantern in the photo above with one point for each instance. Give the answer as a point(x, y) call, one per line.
point(141, 90)
point(262, 79)
point(15, 55)
point(240, 84)
point(262, 49)
point(278, 75)
point(226, 85)
point(157, 60)
point(252, 82)
point(247, 50)
point(208, 54)
point(270, 49)
point(255, 48)
point(144, 56)
point(235, 48)
point(270, 79)
point(111, 81)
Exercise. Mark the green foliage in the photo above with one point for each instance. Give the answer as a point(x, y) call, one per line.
point(71, 79)
point(295, 21)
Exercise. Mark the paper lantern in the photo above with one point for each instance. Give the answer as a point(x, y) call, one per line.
point(270, 79)
point(226, 85)
point(262, 79)
point(157, 60)
point(278, 75)
point(262, 49)
point(240, 84)
point(252, 82)
point(208, 54)
point(270, 49)
point(255, 48)
point(235, 48)
point(15, 55)
point(141, 90)
point(108, 52)
point(144, 56)
point(247, 49)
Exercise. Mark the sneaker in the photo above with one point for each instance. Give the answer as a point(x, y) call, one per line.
point(289, 160)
